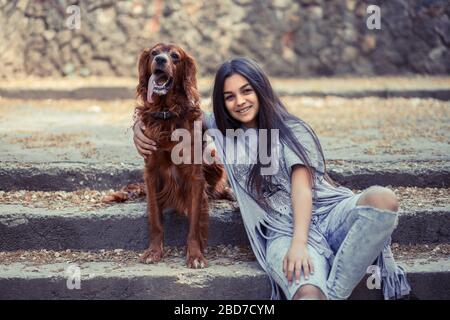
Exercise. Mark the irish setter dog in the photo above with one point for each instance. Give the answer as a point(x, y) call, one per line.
point(169, 100)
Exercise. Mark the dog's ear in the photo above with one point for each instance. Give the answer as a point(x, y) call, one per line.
point(143, 74)
point(190, 80)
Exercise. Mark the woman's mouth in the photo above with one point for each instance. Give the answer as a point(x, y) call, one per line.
point(244, 110)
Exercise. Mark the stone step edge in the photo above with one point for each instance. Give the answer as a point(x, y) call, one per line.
point(102, 280)
point(128, 92)
point(125, 226)
point(75, 176)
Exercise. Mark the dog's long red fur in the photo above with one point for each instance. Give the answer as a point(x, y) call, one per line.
point(183, 187)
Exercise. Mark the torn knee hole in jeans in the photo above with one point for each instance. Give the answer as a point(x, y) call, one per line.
point(309, 291)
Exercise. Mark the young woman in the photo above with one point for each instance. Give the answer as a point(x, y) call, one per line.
point(314, 239)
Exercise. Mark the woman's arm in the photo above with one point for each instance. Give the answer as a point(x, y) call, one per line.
point(144, 145)
point(297, 257)
point(301, 195)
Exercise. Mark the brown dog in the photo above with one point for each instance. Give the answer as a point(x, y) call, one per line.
point(169, 100)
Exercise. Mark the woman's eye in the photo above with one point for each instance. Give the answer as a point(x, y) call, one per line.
point(248, 90)
point(228, 98)
point(174, 56)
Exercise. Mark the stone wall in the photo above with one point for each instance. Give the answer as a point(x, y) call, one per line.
point(289, 38)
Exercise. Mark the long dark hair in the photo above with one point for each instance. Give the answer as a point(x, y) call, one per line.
point(272, 115)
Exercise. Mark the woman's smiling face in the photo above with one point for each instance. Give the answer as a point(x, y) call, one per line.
point(241, 100)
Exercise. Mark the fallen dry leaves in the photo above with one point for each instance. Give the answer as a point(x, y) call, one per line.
point(219, 255)
point(430, 252)
point(222, 254)
point(87, 199)
point(413, 197)
point(386, 122)
point(55, 200)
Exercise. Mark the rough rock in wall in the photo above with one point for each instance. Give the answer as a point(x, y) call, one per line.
point(288, 37)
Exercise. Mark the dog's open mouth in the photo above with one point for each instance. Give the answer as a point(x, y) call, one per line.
point(161, 82)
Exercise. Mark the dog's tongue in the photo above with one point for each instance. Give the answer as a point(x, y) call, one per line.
point(150, 88)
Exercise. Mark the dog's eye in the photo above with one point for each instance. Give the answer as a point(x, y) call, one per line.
point(174, 56)
point(154, 53)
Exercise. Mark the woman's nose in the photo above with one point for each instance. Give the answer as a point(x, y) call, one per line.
point(240, 100)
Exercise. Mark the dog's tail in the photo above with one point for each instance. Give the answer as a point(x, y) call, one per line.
point(131, 191)
point(224, 193)
point(135, 191)
point(216, 183)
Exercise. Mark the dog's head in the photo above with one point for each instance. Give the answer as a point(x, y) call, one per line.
point(164, 69)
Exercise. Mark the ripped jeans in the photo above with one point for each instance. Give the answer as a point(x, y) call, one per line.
point(356, 235)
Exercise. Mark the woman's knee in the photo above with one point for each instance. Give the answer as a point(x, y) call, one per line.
point(309, 291)
point(380, 198)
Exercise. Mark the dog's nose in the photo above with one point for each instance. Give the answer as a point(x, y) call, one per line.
point(160, 59)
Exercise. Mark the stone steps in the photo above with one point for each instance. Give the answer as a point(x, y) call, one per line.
point(124, 88)
point(87, 144)
point(128, 92)
point(70, 176)
point(223, 279)
point(125, 226)
point(79, 143)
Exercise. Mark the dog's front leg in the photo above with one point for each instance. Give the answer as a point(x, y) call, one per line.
point(155, 251)
point(198, 225)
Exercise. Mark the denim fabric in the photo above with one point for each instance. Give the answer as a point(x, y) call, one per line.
point(276, 251)
point(356, 234)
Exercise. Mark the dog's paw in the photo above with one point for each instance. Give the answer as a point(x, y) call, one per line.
point(197, 262)
point(151, 256)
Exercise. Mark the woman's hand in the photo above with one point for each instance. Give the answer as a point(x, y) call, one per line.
point(144, 145)
point(296, 259)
